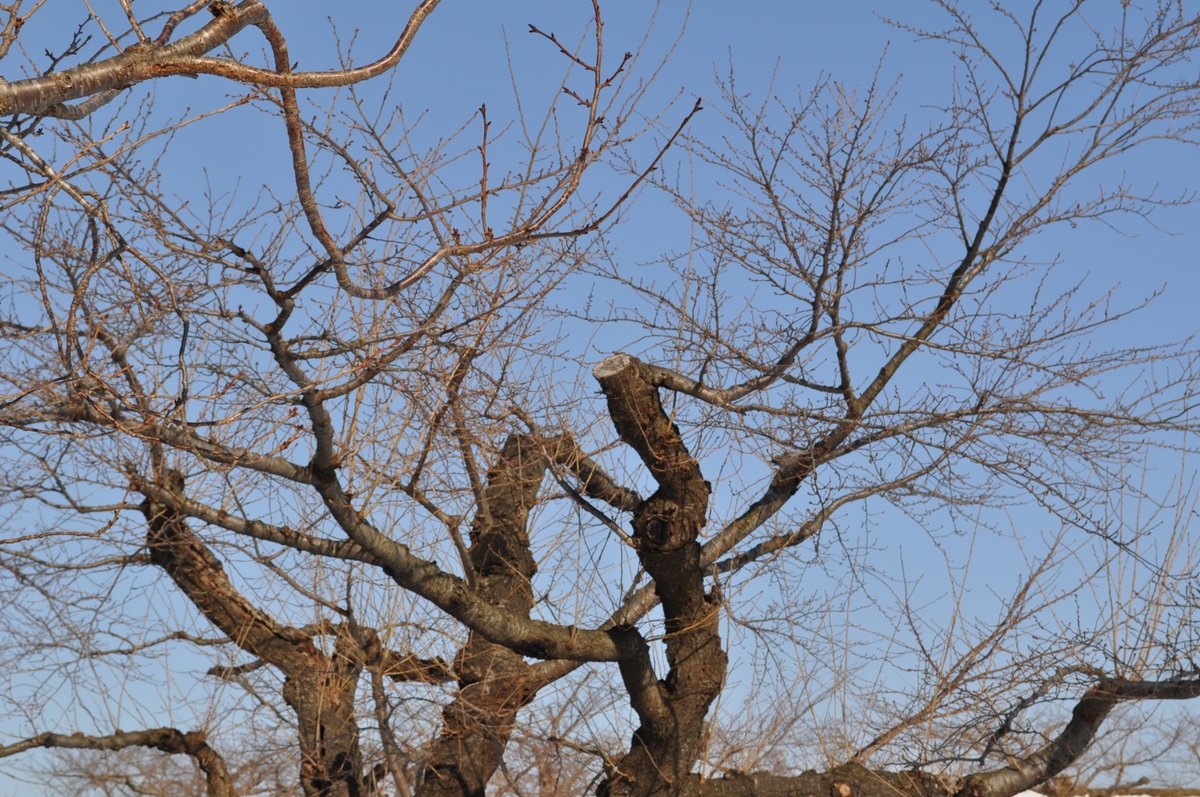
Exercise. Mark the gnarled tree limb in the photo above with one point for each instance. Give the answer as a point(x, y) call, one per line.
point(193, 743)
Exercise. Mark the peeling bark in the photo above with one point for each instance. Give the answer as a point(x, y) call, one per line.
point(46, 94)
point(97, 83)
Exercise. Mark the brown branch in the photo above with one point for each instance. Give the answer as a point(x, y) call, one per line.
point(450, 593)
point(646, 695)
point(1074, 739)
point(455, 596)
point(40, 95)
point(666, 525)
point(522, 233)
point(176, 17)
point(231, 672)
point(183, 64)
point(637, 414)
point(255, 529)
point(201, 577)
point(387, 737)
point(321, 689)
point(45, 94)
point(847, 780)
point(407, 667)
point(80, 407)
point(195, 744)
point(494, 682)
point(594, 482)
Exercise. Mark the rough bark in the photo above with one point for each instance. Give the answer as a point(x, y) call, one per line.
point(1018, 775)
point(320, 689)
point(849, 780)
point(666, 525)
point(494, 682)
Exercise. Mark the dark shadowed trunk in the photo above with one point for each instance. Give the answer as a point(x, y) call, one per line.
point(672, 712)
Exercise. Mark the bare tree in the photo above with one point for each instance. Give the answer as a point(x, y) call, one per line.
point(328, 463)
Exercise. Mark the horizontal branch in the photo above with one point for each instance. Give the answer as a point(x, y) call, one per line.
point(41, 95)
point(848, 780)
point(45, 95)
point(455, 596)
point(80, 409)
point(399, 666)
point(169, 740)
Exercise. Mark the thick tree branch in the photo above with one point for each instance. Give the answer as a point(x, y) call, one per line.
point(594, 482)
point(676, 512)
point(195, 744)
point(848, 780)
point(455, 596)
point(45, 94)
point(1074, 739)
point(319, 688)
point(407, 667)
point(146, 60)
point(201, 577)
point(255, 529)
point(666, 525)
point(494, 682)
